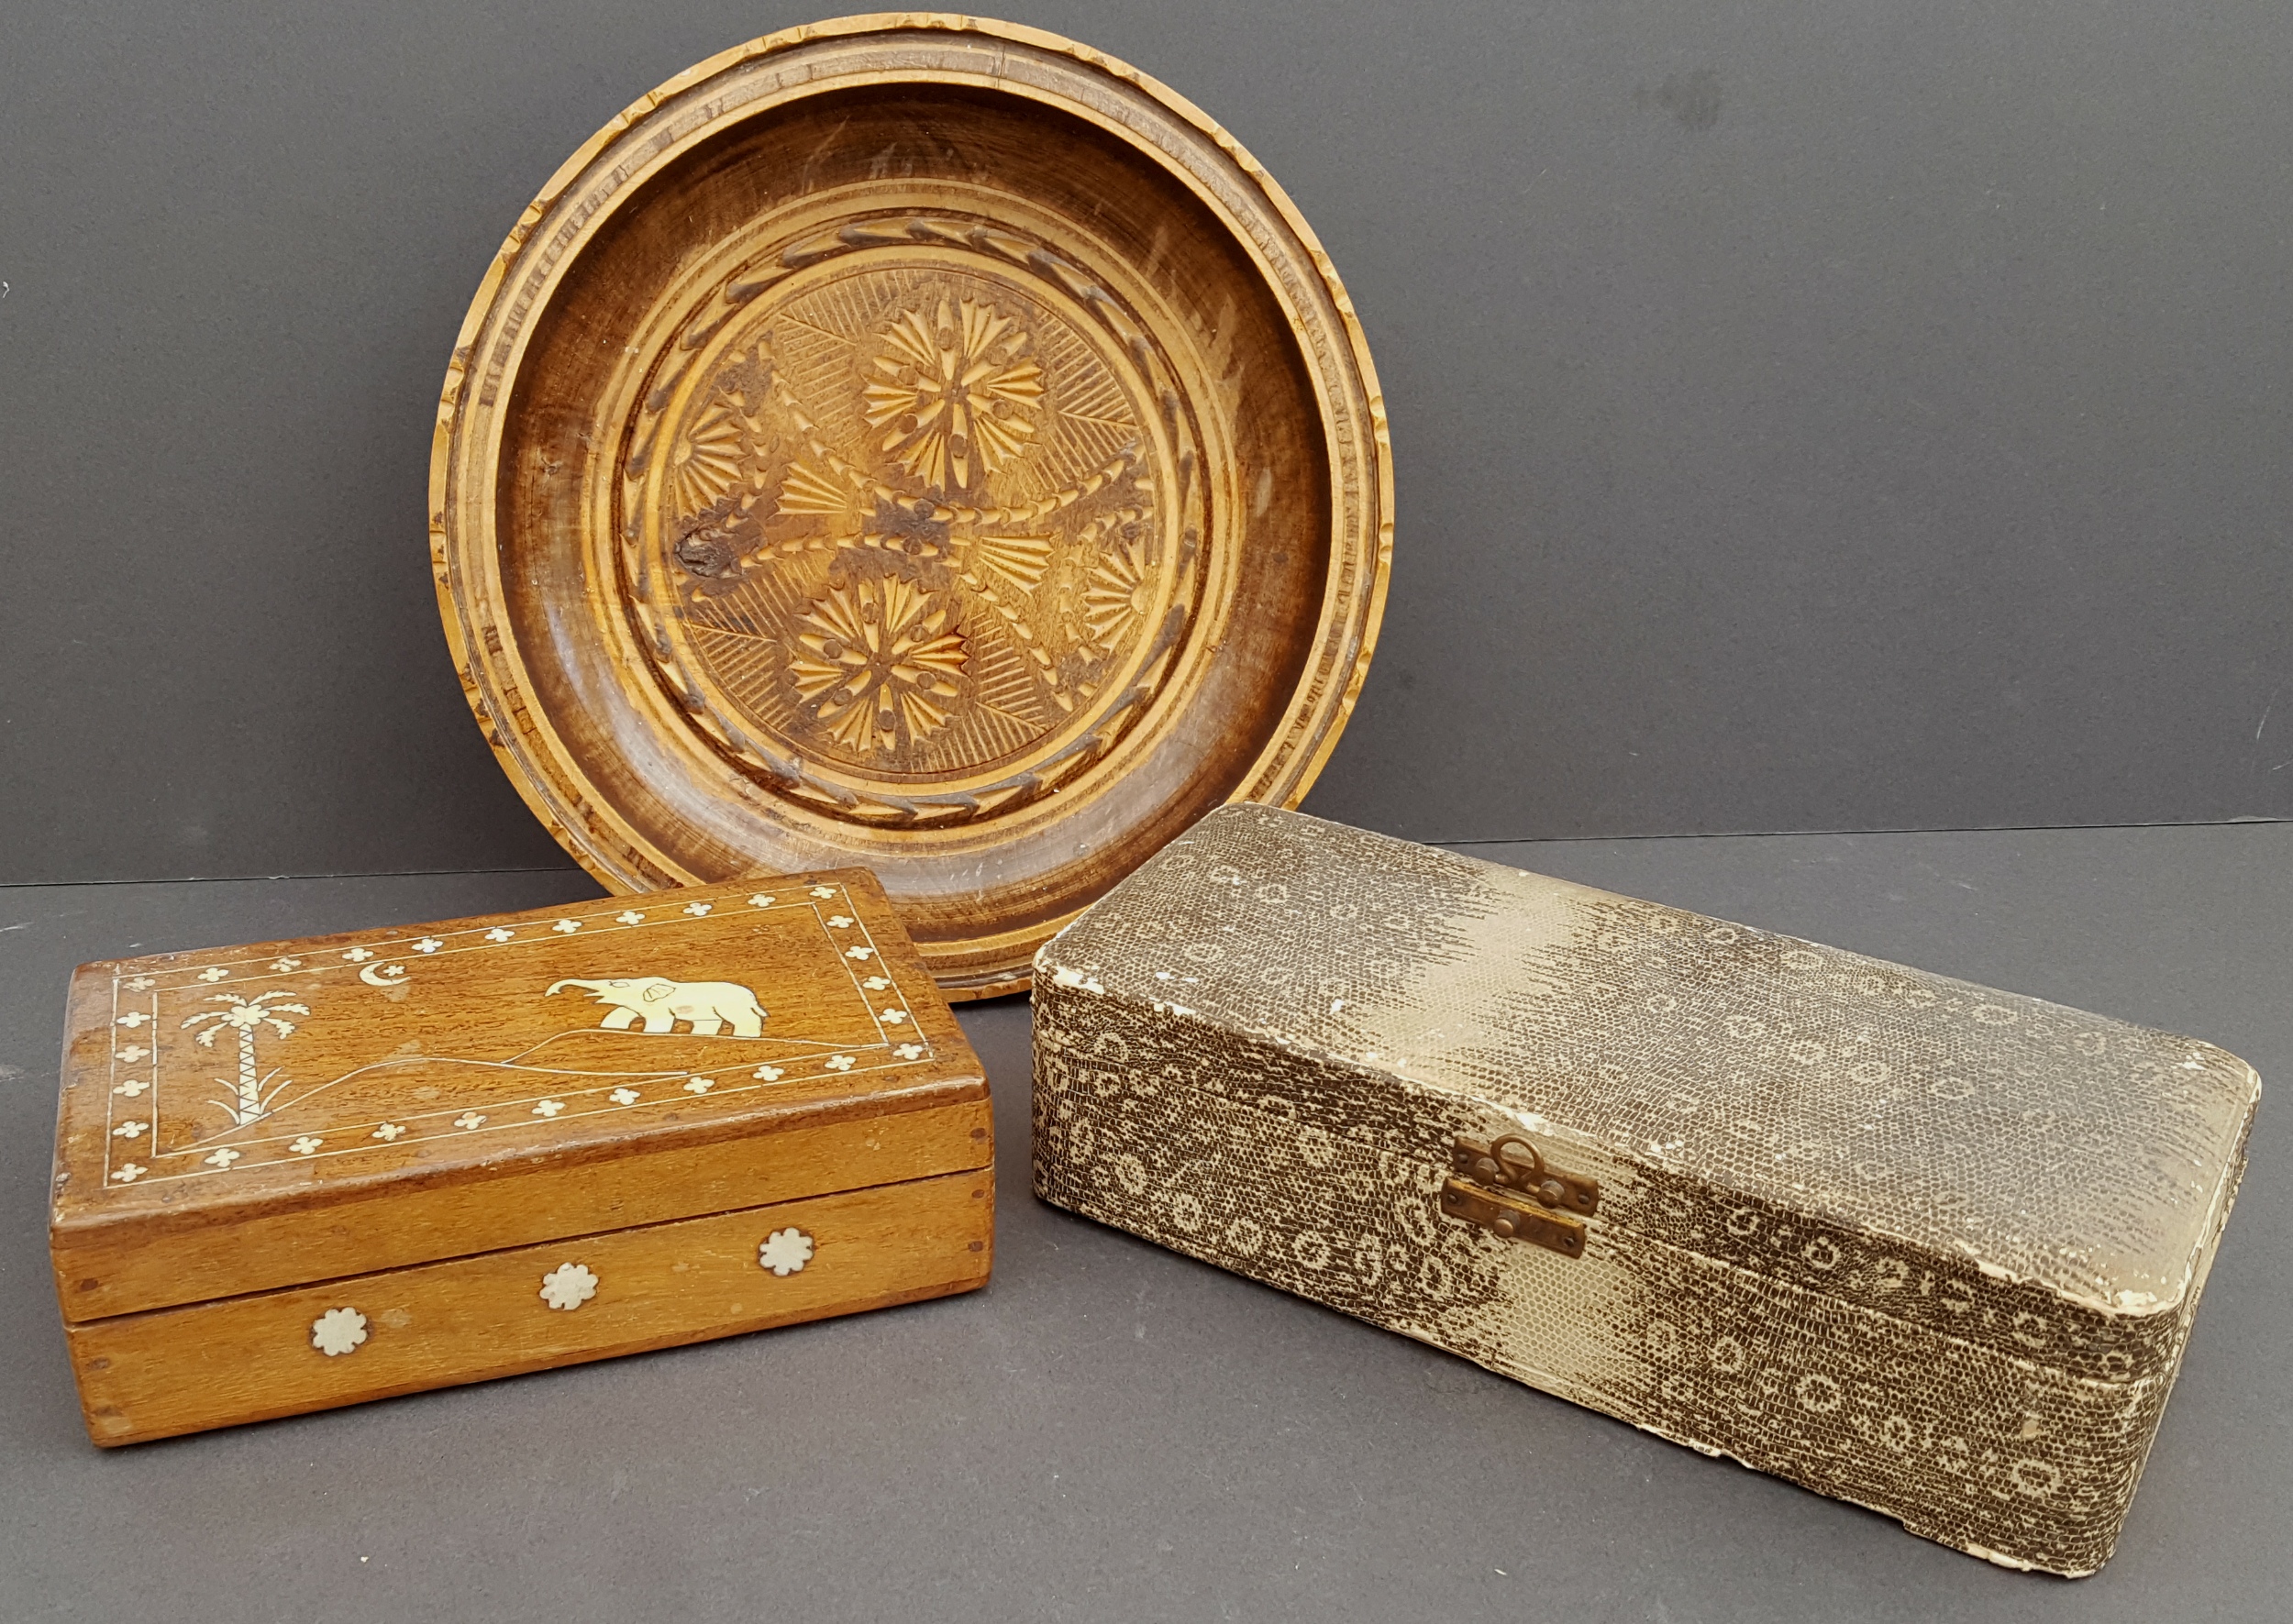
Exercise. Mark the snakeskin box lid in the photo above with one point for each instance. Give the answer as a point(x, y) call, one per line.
point(1912, 1242)
point(242, 1119)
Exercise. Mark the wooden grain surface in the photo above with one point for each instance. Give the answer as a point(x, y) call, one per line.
point(242, 1119)
point(185, 1370)
point(920, 440)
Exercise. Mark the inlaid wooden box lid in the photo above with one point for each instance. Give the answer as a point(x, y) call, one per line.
point(912, 440)
point(244, 1119)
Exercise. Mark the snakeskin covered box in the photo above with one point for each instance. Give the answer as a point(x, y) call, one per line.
point(1919, 1246)
point(303, 1174)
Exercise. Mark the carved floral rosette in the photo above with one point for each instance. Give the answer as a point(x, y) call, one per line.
point(916, 530)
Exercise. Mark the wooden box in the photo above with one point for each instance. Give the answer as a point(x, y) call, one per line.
point(304, 1174)
point(1919, 1246)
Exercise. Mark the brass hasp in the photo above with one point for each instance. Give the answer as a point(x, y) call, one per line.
point(1514, 1195)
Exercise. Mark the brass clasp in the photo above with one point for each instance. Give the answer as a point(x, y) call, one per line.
point(1541, 1211)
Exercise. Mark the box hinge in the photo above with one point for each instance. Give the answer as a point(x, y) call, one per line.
point(1505, 1187)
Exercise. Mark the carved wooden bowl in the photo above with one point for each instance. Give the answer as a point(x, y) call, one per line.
point(915, 441)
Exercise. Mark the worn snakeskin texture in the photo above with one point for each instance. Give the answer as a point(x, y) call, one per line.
point(1909, 1242)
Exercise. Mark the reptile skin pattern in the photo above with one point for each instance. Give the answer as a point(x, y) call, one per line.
point(1909, 1242)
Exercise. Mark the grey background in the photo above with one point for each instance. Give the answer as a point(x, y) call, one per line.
point(1112, 1432)
point(1808, 416)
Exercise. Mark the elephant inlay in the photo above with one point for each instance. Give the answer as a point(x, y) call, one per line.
point(661, 1004)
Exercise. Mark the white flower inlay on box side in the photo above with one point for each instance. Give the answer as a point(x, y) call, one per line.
point(568, 1286)
point(338, 1331)
point(785, 1252)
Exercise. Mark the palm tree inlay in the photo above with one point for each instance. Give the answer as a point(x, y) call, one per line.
point(248, 1103)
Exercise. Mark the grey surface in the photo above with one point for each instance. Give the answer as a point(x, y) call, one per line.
point(1109, 1432)
point(1842, 416)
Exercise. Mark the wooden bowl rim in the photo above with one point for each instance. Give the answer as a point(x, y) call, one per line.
point(1377, 567)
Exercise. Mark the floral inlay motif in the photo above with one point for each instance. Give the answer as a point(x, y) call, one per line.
point(214, 973)
point(133, 1053)
point(500, 933)
point(839, 922)
point(892, 1017)
point(338, 1331)
point(284, 964)
point(630, 916)
point(359, 955)
point(134, 1017)
point(767, 1074)
point(879, 662)
point(625, 1096)
point(697, 908)
point(837, 1063)
point(468, 1119)
point(566, 927)
point(877, 983)
point(222, 1158)
point(785, 1252)
point(759, 900)
point(548, 1108)
point(698, 1085)
point(909, 1051)
point(861, 953)
point(388, 1133)
point(131, 1088)
point(823, 892)
point(305, 1145)
point(957, 394)
point(129, 1130)
point(128, 1172)
point(141, 984)
point(428, 944)
point(568, 1286)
